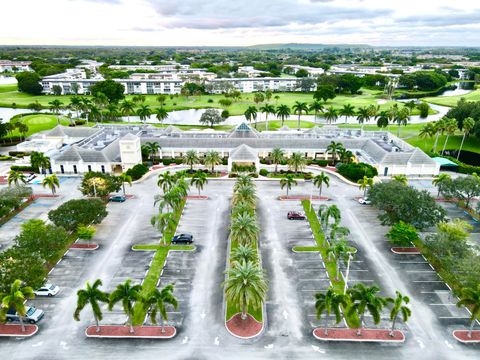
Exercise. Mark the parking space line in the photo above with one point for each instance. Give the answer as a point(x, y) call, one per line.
point(412, 262)
point(429, 281)
point(420, 271)
point(434, 292)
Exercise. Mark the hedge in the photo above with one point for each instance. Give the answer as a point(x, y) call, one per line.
point(356, 171)
point(22, 168)
point(137, 171)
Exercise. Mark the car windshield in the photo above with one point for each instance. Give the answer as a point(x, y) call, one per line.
point(52, 287)
point(31, 311)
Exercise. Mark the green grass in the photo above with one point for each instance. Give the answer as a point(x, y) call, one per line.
point(39, 122)
point(306, 249)
point(452, 100)
point(151, 280)
point(277, 124)
point(151, 247)
point(8, 88)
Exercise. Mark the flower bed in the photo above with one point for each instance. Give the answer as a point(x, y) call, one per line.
point(405, 250)
point(462, 336)
point(120, 331)
point(367, 335)
point(244, 328)
point(16, 330)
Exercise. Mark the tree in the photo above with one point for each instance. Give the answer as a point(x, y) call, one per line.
point(152, 148)
point(144, 112)
point(267, 109)
point(169, 199)
point(244, 194)
point(212, 158)
point(16, 299)
point(199, 179)
point(161, 222)
point(383, 119)
point(29, 82)
point(339, 251)
point(125, 178)
point(350, 83)
point(347, 110)
point(365, 298)
point(346, 156)
point(35, 106)
point(440, 181)
point(326, 213)
point(39, 161)
point(288, 181)
point(401, 178)
point(464, 188)
point(299, 108)
point(158, 300)
point(399, 306)
point(316, 106)
point(139, 99)
point(86, 232)
point(16, 177)
point(283, 112)
point(51, 182)
point(470, 298)
point(127, 108)
point(22, 128)
point(333, 148)
point(99, 184)
point(91, 295)
point(161, 114)
point(468, 125)
point(251, 114)
point(161, 99)
point(246, 286)
point(211, 117)
point(365, 183)
point(319, 180)
point(440, 128)
point(277, 155)
point(112, 90)
point(258, 97)
point(330, 302)
point(427, 131)
point(402, 234)
point(297, 161)
point(363, 115)
point(191, 158)
point(331, 115)
point(56, 90)
point(165, 181)
point(21, 263)
point(244, 229)
point(245, 253)
point(77, 212)
point(127, 294)
point(324, 92)
point(450, 128)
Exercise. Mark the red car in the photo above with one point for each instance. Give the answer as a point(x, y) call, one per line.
point(295, 215)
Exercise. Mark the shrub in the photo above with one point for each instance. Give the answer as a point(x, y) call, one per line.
point(210, 101)
point(264, 172)
point(18, 153)
point(168, 161)
point(5, 158)
point(85, 232)
point(137, 171)
point(322, 163)
point(402, 234)
point(355, 171)
point(73, 213)
point(80, 122)
point(243, 168)
point(307, 176)
point(22, 168)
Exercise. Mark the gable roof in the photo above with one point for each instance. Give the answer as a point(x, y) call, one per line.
point(244, 131)
point(243, 153)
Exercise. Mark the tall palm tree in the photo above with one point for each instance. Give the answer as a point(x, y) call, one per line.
point(383, 119)
point(330, 302)
point(327, 213)
point(212, 158)
point(363, 115)
point(158, 300)
point(440, 127)
point(440, 180)
point(170, 199)
point(39, 161)
point(251, 114)
point(127, 107)
point(91, 295)
point(191, 158)
point(450, 128)
point(144, 112)
point(331, 115)
point(199, 180)
point(365, 183)
point(267, 109)
point(246, 286)
point(15, 299)
point(161, 114)
point(319, 180)
point(365, 298)
point(470, 298)
point(427, 131)
point(51, 182)
point(333, 148)
point(125, 178)
point(245, 253)
point(153, 148)
point(56, 105)
point(94, 114)
point(299, 108)
point(75, 104)
point(401, 118)
point(297, 161)
point(16, 177)
point(347, 110)
point(287, 182)
point(316, 107)
point(467, 126)
point(401, 178)
point(112, 112)
point(243, 180)
point(399, 306)
point(127, 294)
point(283, 112)
point(244, 194)
point(339, 251)
point(277, 155)
point(163, 221)
point(346, 156)
point(165, 181)
point(244, 229)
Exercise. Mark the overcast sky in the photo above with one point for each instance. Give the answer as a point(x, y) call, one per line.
point(240, 22)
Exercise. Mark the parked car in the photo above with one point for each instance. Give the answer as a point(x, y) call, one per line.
point(364, 201)
point(32, 315)
point(47, 290)
point(182, 239)
point(117, 198)
point(31, 176)
point(295, 215)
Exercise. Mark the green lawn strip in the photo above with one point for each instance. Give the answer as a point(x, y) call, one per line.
point(37, 123)
point(151, 279)
point(5, 88)
point(277, 124)
point(152, 247)
point(452, 100)
point(306, 249)
point(15, 212)
point(280, 176)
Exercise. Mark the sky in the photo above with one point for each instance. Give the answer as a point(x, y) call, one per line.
point(240, 22)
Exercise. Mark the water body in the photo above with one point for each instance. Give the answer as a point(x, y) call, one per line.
point(467, 157)
point(7, 80)
point(463, 87)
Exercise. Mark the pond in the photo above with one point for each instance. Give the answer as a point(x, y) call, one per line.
point(7, 80)
point(463, 87)
point(467, 157)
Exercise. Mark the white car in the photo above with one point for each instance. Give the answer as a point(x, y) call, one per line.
point(47, 290)
point(364, 201)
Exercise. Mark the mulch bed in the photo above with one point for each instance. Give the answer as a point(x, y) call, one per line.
point(16, 330)
point(303, 197)
point(367, 335)
point(244, 329)
point(462, 336)
point(84, 246)
point(196, 197)
point(130, 196)
point(405, 250)
point(121, 331)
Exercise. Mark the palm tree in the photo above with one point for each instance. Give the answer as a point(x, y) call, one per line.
point(169, 199)
point(316, 106)
point(245, 253)
point(401, 178)
point(165, 181)
point(319, 180)
point(331, 115)
point(51, 182)
point(346, 156)
point(161, 222)
point(39, 161)
point(91, 295)
point(246, 286)
point(399, 306)
point(467, 126)
point(244, 194)
point(383, 119)
point(161, 114)
point(334, 148)
point(339, 251)
point(15, 299)
point(199, 179)
point(277, 155)
point(94, 113)
point(127, 108)
point(75, 104)
point(325, 213)
point(212, 158)
point(158, 300)
point(297, 161)
point(401, 118)
point(299, 108)
point(450, 128)
point(191, 158)
point(56, 105)
point(440, 180)
point(347, 110)
point(16, 177)
point(125, 178)
point(470, 298)
point(244, 229)
point(427, 131)
point(440, 127)
point(365, 183)
point(283, 112)
point(127, 294)
point(288, 181)
point(330, 302)
point(267, 109)
point(144, 112)
point(365, 298)
point(153, 148)
point(243, 180)
point(112, 113)
point(363, 115)
point(251, 114)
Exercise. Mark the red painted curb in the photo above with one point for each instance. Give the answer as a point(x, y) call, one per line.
point(302, 197)
point(84, 246)
point(15, 330)
point(244, 329)
point(367, 335)
point(196, 197)
point(462, 336)
point(405, 250)
point(140, 332)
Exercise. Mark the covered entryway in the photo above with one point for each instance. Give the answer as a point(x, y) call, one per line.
point(243, 156)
